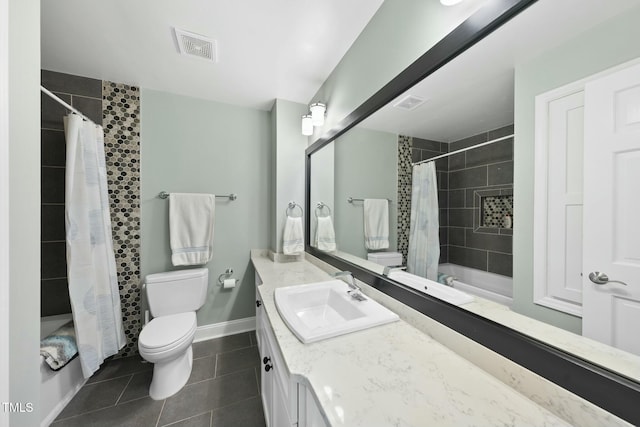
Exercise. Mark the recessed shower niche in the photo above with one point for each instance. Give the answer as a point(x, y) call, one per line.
point(493, 210)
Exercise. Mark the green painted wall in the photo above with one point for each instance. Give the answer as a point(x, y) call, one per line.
point(602, 47)
point(24, 213)
point(322, 186)
point(399, 33)
point(362, 170)
point(288, 156)
point(194, 145)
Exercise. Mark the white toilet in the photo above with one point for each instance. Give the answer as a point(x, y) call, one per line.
point(166, 340)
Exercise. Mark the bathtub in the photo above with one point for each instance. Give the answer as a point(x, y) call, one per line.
point(57, 388)
point(494, 287)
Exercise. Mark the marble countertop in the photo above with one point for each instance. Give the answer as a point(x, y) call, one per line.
point(390, 375)
point(611, 358)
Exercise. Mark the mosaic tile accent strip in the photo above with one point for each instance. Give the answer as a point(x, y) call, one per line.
point(121, 121)
point(405, 171)
point(495, 210)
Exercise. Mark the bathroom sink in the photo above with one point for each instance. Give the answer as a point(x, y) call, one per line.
point(322, 310)
point(429, 287)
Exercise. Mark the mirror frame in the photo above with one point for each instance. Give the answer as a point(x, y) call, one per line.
point(609, 390)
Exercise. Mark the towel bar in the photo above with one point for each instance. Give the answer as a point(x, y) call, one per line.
point(232, 196)
point(351, 200)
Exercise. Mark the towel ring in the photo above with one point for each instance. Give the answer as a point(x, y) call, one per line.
point(292, 205)
point(320, 206)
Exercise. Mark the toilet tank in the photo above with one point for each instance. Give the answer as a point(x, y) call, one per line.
point(390, 259)
point(177, 291)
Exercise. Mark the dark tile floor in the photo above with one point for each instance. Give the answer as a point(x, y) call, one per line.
point(223, 391)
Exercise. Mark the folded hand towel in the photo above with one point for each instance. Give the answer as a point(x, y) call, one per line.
point(376, 223)
point(191, 218)
point(325, 234)
point(445, 279)
point(60, 347)
point(293, 238)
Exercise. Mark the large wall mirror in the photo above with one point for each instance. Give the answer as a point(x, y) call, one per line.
point(526, 197)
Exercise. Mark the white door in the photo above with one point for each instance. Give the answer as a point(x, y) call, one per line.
point(611, 311)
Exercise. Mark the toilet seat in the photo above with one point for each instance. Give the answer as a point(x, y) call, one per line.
point(165, 333)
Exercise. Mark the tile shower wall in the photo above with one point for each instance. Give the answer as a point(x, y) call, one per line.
point(116, 107)
point(482, 171)
point(121, 112)
point(86, 95)
point(461, 178)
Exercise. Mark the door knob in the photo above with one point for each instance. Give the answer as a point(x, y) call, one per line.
point(602, 279)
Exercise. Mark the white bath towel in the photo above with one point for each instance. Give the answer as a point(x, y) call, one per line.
point(293, 237)
point(376, 223)
point(191, 218)
point(325, 234)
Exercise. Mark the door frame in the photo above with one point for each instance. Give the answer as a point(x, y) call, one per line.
point(541, 290)
point(4, 206)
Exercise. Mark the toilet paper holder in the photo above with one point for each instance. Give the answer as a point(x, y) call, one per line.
point(226, 275)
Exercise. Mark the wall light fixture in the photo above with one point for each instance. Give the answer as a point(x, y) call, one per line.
point(315, 117)
point(307, 125)
point(317, 113)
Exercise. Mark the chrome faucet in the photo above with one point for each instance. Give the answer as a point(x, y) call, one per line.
point(354, 290)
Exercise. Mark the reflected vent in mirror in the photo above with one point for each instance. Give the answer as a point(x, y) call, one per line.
point(409, 102)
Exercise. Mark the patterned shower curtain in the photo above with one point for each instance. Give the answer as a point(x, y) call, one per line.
point(91, 266)
point(424, 239)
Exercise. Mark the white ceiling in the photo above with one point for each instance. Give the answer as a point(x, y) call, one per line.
point(474, 93)
point(266, 49)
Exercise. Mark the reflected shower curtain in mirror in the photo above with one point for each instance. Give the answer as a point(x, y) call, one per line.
point(91, 266)
point(424, 240)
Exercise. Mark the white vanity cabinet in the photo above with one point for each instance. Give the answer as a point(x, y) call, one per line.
point(285, 401)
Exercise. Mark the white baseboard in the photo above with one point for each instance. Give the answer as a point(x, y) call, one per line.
point(222, 329)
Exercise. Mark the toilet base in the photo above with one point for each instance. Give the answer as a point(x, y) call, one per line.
point(169, 377)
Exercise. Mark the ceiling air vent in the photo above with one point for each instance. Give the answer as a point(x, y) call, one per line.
point(409, 102)
point(196, 45)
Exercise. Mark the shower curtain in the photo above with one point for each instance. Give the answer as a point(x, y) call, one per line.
point(91, 266)
point(424, 240)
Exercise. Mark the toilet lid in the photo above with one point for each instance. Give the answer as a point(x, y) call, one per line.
point(163, 331)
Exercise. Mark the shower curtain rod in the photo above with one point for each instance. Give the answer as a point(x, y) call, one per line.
point(464, 149)
point(60, 101)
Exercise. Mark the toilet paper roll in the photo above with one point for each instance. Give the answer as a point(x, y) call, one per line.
point(229, 283)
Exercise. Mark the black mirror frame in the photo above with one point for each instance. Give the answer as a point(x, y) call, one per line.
point(615, 393)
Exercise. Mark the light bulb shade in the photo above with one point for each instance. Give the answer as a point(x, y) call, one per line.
point(317, 113)
point(450, 2)
point(307, 125)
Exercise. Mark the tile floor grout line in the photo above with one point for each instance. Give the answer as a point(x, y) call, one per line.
point(258, 396)
point(84, 413)
point(215, 368)
point(215, 354)
point(184, 419)
point(123, 390)
point(257, 371)
point(235, 372)
point(164, 402)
